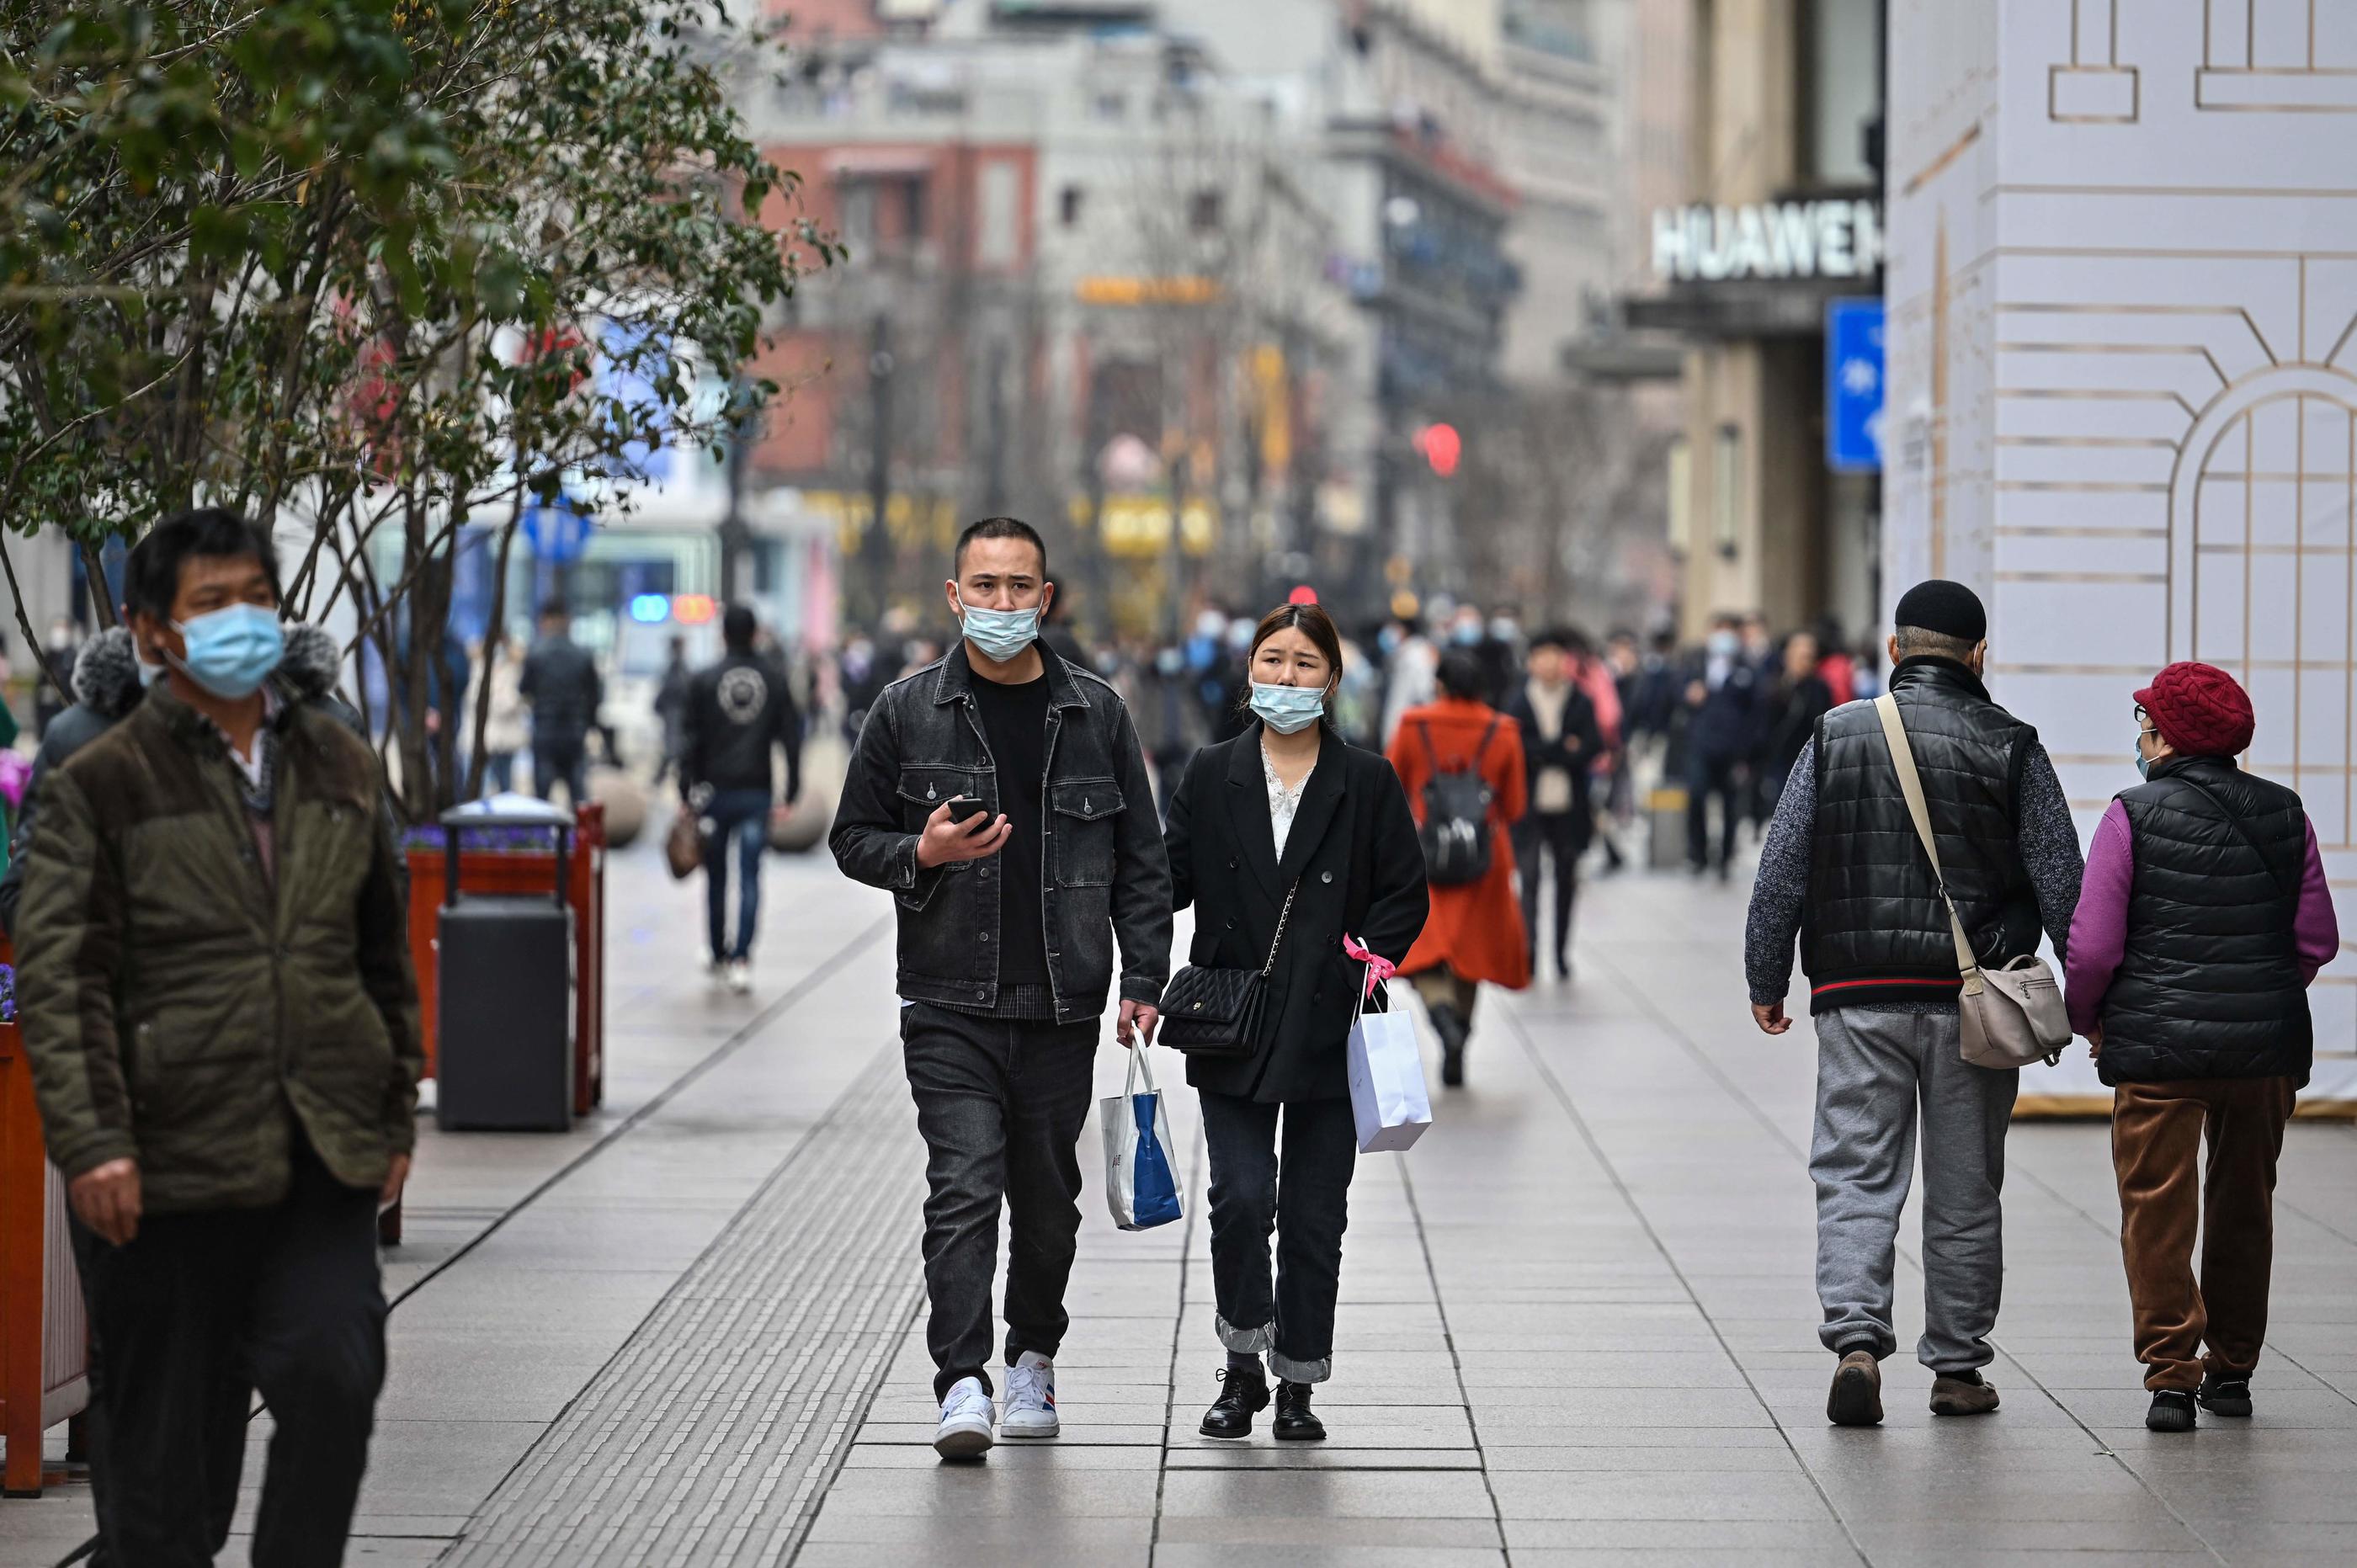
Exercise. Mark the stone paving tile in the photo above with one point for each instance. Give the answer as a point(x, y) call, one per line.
point(1285, 1531)
point(1248, 1495)
point(1172, 1555)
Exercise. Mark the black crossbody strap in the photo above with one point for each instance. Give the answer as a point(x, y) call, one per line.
point(1482, 750)
point(2290, 891)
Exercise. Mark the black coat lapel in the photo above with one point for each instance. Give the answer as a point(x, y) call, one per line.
point(1247, 792)
point(1320, 798)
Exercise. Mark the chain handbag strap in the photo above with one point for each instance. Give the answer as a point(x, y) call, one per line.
point(1284, 919)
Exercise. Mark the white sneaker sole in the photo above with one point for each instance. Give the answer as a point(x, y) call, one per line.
point(1013, 1429)
point(963, 1440)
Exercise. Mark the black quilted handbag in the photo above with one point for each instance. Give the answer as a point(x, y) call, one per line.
point(1218, 1012)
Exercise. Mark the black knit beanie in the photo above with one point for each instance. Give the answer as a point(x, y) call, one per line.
point(1951, 609)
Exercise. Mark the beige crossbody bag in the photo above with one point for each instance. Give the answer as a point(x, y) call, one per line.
point(2011, 1017)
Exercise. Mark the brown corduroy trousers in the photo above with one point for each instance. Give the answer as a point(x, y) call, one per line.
point(2167, 1189)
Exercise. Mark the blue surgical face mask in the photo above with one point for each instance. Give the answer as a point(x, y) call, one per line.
point(1724, 645)
point(1288, 710)
point(1002, 635)
point(2144, 764)
point(1389, 639)
point(231, 651)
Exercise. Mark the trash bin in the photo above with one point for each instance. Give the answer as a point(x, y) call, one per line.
point(505, 997)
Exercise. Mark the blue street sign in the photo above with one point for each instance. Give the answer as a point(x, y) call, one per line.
point(1854, 386)
point(557, 534)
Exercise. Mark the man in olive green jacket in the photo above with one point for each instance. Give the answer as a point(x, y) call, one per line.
point(222, 1023)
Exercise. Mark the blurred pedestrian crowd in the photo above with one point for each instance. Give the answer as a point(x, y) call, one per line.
point(1719, 721)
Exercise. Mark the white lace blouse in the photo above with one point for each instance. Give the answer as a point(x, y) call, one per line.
point(1282, 803)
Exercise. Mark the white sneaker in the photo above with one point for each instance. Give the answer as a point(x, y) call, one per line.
point(964, 1432)
point(1031, 1408)
point(740, 976)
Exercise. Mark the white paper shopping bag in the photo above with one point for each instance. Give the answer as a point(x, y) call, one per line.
point(1387, 1093)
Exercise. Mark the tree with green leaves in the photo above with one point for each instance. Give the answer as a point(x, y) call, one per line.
point(372, 268)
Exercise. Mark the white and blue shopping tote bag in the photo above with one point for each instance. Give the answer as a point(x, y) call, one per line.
point(1141, 1172)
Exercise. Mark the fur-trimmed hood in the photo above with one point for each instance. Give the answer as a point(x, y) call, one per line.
point(106, 674)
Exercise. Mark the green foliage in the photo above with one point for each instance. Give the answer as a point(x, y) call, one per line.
point(347, 262)
point(307, 253)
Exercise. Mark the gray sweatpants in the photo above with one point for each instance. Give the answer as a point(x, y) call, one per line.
point(1874, 1070)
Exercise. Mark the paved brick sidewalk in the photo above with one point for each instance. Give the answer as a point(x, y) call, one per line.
point(1577, 1322)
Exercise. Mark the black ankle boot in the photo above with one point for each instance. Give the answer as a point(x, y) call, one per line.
point(1245, 1396)
point(1294, 1424)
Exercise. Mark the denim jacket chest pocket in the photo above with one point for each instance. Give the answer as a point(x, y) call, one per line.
point(1081, 823)
point(924, 786)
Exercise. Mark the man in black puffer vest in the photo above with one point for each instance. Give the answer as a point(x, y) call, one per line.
point(2206, 914)
point(1844, 871)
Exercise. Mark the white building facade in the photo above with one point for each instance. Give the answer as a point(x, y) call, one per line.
point(2123, 382)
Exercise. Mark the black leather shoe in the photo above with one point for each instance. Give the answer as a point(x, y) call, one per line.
point(2172, 1410)
point(1230, 1415)
point(1294, 1424)
point(1450, 1026)
point(2226, 1396)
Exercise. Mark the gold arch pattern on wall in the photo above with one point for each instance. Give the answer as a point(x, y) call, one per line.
point(2262, 571)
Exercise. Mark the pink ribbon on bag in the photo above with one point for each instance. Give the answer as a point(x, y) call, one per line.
point(1379, 968)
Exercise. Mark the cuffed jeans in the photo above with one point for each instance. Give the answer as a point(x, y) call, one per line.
point(190, 1317)
point(1000, 1102)
point(1876, 1072)
point(2166, 1189)
point(1307, 1207)
point(740, 817)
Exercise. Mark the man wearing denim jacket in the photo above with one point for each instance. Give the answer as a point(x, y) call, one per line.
point(1009, 913)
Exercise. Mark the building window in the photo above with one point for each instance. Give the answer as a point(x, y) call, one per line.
point(1110, 106)
point(1842, 85)
point(1727, 490)
point(1068, 206)
point(856, 218)
point(912, 212)
point(999, 240)
point(1681, 489)
point(1203, 212)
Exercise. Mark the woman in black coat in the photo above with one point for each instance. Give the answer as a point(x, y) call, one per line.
point(1288, 805)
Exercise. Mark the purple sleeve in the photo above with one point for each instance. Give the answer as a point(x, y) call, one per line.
point(2316, 927)
point(2099, 927)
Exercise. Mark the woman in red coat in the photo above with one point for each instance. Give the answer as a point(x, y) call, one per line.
point(1475, 930)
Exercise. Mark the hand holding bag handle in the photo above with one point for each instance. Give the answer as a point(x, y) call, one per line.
point(2008, 1017)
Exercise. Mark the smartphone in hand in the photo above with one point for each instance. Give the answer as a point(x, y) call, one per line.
point(964, 809)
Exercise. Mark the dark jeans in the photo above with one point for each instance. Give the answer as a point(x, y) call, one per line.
point(740, 817)
point(498, 772)
point(1000, 1101)
point(567, 760)
point(1294, 1322)
point(1705, 777)
point(197, 1312)
point(1564, 837)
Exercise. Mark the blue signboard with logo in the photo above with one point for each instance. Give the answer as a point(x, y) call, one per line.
point(557, 534)
point(1853, 380)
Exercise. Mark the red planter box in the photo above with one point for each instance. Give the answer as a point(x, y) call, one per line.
point(44, 1340)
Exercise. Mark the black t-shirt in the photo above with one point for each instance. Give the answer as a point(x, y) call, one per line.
point(1015, 722)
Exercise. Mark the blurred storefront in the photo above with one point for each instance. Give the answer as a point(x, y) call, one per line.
point(1783, 219)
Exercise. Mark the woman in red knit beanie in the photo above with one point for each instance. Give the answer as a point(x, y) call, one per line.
point(2202, 919)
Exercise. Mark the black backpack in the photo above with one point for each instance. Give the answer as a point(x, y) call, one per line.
point(1456, 831)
